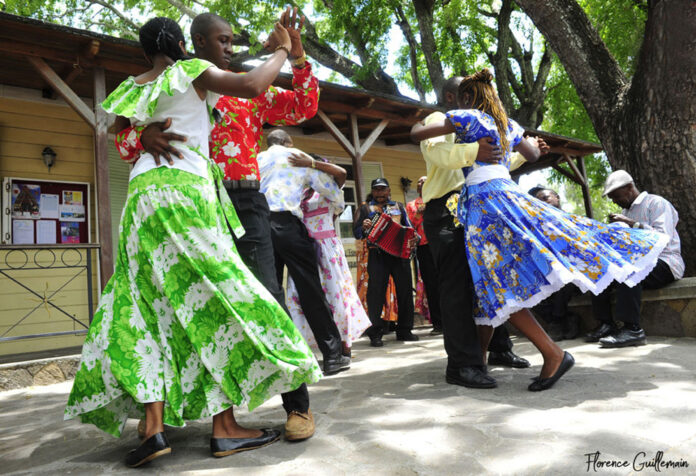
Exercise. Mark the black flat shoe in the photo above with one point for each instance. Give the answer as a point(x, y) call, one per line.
point(221, 447)
point(546, 383)
point(154, 447)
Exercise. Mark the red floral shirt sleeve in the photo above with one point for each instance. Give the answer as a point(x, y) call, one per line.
point(279, 107)
point(128, 143)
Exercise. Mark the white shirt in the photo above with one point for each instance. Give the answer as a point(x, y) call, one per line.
point(283, 184)
point(654, 212)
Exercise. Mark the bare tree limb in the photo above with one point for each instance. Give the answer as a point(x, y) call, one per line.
point(413, 50)
point(132, 25)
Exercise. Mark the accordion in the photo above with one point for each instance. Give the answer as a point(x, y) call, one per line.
point(391, 237)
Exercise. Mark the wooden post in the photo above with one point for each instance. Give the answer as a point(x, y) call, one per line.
point(355, 150)
point(357, 158)
point(101, 173)
point(585, 188)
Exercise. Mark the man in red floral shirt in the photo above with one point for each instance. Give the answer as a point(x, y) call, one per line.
point(234, 145)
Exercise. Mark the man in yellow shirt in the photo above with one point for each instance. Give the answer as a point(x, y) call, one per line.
point(444, 161)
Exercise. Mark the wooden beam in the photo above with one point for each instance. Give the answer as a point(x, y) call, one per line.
point(336, 133)
point(373, 137)
point(101, 172)
point(338, 107)
point(566, 173)
point(569, 161)
point(132, 67)
point(63, 89)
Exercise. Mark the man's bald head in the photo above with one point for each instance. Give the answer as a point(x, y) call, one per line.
point(450, 90)
point(203, 23)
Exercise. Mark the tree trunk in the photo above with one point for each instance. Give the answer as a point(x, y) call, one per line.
point(647, 126)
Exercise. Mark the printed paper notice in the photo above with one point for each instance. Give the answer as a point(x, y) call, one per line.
point(69, 232)
point(72, 212)
point(71, 197)
point(23, 232)
point(46, 232)
point(49, 206)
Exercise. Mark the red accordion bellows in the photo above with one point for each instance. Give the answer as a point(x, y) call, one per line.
point(391, 237)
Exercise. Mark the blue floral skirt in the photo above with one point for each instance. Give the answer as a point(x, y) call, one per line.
point(521, 250)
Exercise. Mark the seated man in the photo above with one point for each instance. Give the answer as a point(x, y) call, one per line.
point(650, 212)
point(562, 324)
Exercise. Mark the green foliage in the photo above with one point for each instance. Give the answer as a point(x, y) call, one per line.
point(621, 24)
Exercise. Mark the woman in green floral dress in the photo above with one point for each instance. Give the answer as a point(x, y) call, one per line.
point(184, 330)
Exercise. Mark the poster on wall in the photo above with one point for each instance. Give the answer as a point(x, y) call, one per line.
point(72, 212)
point(72, 197)
point(69, 232)
point(26, 199)
point(48, 208)
point(23, 232)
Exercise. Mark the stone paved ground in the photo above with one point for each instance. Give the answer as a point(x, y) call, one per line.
point(393, 414)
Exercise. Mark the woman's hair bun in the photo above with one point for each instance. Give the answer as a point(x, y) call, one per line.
point(483, 76)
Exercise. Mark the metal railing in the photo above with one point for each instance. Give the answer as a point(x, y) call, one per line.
point(21, 258)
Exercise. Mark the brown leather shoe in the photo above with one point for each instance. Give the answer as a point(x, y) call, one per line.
point(299, 426)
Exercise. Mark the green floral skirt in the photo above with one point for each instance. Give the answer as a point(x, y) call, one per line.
point(183, 320)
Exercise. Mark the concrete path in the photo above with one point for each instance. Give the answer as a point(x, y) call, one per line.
point(393, 414)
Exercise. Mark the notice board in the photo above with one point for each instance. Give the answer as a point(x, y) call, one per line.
point(45, 212)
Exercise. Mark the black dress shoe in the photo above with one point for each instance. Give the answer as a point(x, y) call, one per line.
point(376, 341)
point(471, 377)
point(623, 338)
point(602, 330)
point(226, 446)
point(154, 447)
point(546, 383)
point(507, 359)
point(406, 336)
point(333, 365)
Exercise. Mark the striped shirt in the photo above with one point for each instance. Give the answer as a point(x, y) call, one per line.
point(655, 213)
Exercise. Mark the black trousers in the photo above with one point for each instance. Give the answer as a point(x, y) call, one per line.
point(380, 266)
point(428, 272)
point(555, 307)
point(627, 307)
point(256, 250)
point(455, 286)
point(295, 249)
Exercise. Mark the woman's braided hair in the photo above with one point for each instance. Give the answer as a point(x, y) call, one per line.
point(162, 35)
point(480, 86)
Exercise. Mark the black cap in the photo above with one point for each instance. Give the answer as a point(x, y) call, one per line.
point(380, 182)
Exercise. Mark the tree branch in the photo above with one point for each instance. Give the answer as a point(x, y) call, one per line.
point(183, 8)
point(413, 50)
point(424, 14)
point(132, 25)
point(597, 76)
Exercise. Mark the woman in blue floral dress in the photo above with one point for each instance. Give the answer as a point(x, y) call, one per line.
point(520, 249)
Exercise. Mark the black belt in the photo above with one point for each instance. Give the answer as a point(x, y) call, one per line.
point(242, 184)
